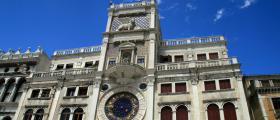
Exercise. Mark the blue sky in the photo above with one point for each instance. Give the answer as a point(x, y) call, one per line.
point(251, 27)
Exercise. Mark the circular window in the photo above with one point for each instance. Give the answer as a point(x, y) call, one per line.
point(122, 106)
point(143, 86)
point(104, 87)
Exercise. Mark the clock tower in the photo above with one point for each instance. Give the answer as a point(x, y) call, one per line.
point(128, 58)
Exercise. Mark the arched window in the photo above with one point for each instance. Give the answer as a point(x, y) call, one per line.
point(2, 84)
point(78, 114)
point(229, 111)
point(166, 113)
point(8, 91)
point(39, 114)
point(19, 90)
point(28, 114)
point(7, 118)
point(182, 113)
point(65, 114)
point(213, 112)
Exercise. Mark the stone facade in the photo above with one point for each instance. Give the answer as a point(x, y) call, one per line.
point(263, 95)
point(16, 68)
point(134, 74)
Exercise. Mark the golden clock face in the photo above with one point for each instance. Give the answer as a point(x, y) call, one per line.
point(122, 106)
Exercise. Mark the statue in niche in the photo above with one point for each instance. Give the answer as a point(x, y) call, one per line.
point(126, 57)
point(129, 26)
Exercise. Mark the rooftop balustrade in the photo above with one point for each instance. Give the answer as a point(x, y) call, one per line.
point(92, 49)
point(131, 4)
point(195, 64)
point(197, 40)
point(70, 72)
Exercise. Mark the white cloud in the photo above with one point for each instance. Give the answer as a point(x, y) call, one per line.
point(220, 13)
point(161, 17)
point(172, 6)
point(189, 6)
point(247, 3)
point(159, 2)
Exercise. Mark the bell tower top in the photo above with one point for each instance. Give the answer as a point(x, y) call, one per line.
point(127, 15)
point(132, 34)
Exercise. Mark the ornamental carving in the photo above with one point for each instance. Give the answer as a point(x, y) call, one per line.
point(128, 26)
point(130, 23)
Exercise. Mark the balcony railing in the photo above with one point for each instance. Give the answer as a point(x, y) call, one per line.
point(70, 72)
point(198, 40)
point(91, 49)
point(195, 64)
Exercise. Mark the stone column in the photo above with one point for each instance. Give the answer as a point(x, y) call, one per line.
point(71, 115)
point(222, 114)
point(93, 100)
point(76, 91)
point(150, 99)
point(174, 114)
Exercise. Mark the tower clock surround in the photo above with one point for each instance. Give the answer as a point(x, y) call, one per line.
point(128, 95)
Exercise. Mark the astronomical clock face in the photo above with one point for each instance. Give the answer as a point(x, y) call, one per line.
point(121, 106)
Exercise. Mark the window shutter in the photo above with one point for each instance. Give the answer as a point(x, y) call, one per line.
point(213, 56)
point(225, 84)
point(180, 87)
point(166, 88)
point(166, 113)
point(229, 112)
point(213, 112)
point(182, 113)
point(210, 85)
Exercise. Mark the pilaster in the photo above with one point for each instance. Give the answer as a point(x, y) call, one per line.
point(103, 53)
point(150, 99)
point(195, 101)
point(55, 100)
point(243, 100)
point(152, 53)
point(93, 100)
point(21, 104)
